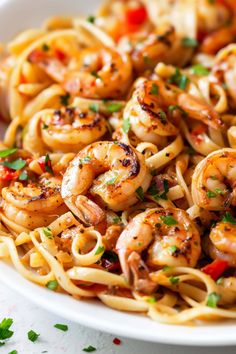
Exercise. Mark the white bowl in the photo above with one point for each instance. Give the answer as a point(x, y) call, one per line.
point(16, 15)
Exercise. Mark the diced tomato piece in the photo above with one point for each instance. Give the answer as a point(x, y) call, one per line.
point(60, 55)
point(36, 56)
point(116, 341)
point(136, 16)
point(216, 268)
point(6, 174)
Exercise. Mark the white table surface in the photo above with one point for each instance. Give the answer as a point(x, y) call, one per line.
point(28, 316)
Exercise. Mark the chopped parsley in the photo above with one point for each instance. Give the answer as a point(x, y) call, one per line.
point(23, 176)
point(5, 332)
point(199, 69)
point(169, 220)
point(213, 299)
point(17, 164)
point(114, 107)
point(220, 281)
point(189, 42)
point(173, 108)
point(126, 125)
point(154, 192)
point(173, 249)
point(48, 233)
point(214, 194)
point(94, 107)
point(45, 47)
point(32, 336)
point(89, 349)
point(45, 126)
point(99, 250)
point(229, 218)
point(174, 280)
point(8, 152)
point(85, 160)
point(48, 165)
point(154, 89)
point(95, 74)
point(52, 284)
point(13, 352)
point(91, 19)
point(166, 268)
point(179, 79)
point(65, 99)
point(62, 327)
point(116, 220)
point(151, 299)
point(140, 193)
point(162, 116)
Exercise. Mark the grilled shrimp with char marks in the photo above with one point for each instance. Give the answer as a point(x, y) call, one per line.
point(168, 235)
point(214, 180)
point(98, 72)
point(110, 172)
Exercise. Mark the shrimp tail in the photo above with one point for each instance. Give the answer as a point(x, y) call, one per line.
point(88, 211)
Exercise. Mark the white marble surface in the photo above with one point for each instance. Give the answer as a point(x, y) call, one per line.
point(28, 316)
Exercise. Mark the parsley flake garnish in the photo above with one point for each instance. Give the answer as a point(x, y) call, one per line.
point(65, 99)
point(114, 107)
point(126, 125)
point(32, 336)
point(17, 164)
point(95, 74)
point(5, 332)
point(48, 233)
point(112, 181)
point(173, 108)
point(116, 220)
point(23, 176)
point(169, 220)
point(174, 280)
point(13, 352)
point(100, 250)
point(45, 47)
point(91, 19)
point(220, 281)
point(213, 299)
point(48, 165)
point(140, 193)
point(89, 349)
point(151, 299)
point(8, 152)
point(62, 327)
point(173, 249)
point(228, 218)
point(94, 107)
point(154, 89)
point(52, 284)
point(189, 42)
point(45, 126)
point(199, 69)
point(179, 79)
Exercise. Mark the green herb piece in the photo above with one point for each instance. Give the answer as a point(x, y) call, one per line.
point(151, 299)
point(116, 220)
point(162, 116)
point(214, 194)
point(228, 218)
point(166, 268)
point(126, 125)
point(95, 74)
point(8, 152)
point(154, 192)
point(91, 19)
point(147, 60)
point(173, 249)
point(23, 176)
point(48, 165)
point(214, 178)
point(5, 332)
point(45, 47)
point(220, 281)
point(112, 181)
point(154, 89)
point(213, 300)
point(52, 284)
point(13, 352)
point(169, 220)
point(140, 193)
point(89, 349)
point(85, 160)
point(114, 107)
point(48, 233)
point(45, 126)
point(174, 280)
point(173, 108)
point(33, 336)
point(65, 99)
point(179, 79)
point(199, 69)
point(17, 164)
point(189, 42)
point(62, 327)
point(100, 250)
point(94, 107)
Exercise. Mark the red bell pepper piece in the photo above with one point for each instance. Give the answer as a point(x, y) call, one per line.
point(216, 268)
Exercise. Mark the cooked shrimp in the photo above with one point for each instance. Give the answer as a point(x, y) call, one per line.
point(214, 180)
point(148, 120)
point(99, 72)
point(168, 235)
point(223, 242)
point(146, 50)
point(64, 130)
point(110, 172)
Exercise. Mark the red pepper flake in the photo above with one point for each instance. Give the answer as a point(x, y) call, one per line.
point(136, 16)
point(60, 55)
point(116, 341)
